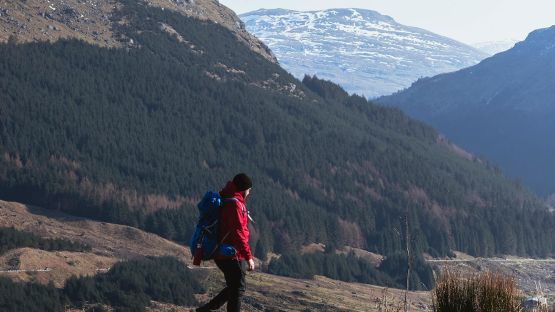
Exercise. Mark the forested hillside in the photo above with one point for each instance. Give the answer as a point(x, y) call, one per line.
point(137, 135)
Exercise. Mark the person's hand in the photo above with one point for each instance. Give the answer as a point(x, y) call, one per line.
point(251, 265)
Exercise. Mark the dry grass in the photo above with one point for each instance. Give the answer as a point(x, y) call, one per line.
point(388, 303)
point(266, 292)
point(35, 20)
point(106, 239)
point(527, 273)
point(110, 243)
point(485, 292)
point(62, 264)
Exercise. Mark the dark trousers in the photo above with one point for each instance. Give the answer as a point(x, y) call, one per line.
point(234, 273)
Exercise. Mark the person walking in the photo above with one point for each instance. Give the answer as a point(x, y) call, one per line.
point(233, 231)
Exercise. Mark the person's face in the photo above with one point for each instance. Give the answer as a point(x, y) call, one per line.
point(247, 192)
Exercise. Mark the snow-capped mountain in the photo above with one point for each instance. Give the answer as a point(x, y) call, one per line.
point(364, 51)
point(494, 47)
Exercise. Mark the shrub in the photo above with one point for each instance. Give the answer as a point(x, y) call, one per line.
point(486, 292)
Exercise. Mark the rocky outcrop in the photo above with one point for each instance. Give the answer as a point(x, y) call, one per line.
point(214, 11)
point(91, 20)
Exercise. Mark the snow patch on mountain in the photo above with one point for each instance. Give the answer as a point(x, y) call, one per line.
point(362, 50)
point(494, 47)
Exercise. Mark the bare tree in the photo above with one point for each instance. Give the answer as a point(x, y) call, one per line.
point(409, 258)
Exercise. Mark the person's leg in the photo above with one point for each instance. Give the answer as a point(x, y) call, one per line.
point(234, 273)
point(221, 298)
point(237, 286)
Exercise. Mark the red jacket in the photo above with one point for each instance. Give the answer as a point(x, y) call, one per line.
point(233, 222)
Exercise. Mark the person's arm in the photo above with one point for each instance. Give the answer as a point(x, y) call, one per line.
point(238, 231)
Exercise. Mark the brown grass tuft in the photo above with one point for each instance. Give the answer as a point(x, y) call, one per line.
point(485, 292)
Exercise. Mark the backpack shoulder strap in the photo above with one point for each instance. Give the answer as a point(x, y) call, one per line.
point(243, 208)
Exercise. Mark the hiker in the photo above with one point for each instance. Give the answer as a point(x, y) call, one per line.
point(233, 231)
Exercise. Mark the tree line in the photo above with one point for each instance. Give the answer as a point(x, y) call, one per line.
point(11, 238)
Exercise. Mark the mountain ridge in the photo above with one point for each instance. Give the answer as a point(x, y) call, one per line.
point(500, 108)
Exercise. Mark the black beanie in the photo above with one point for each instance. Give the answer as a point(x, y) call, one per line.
point(242, 182)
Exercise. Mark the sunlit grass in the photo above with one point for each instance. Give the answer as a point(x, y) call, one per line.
point(486, 292)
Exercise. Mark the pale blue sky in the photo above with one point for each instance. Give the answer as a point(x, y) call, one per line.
point(469, 21)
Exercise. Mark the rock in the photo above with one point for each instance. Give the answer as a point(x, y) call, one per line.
point(69, 11)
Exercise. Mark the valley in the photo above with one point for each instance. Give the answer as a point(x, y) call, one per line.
point(115, 117)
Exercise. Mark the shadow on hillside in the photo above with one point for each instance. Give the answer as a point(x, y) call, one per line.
point(52, 214)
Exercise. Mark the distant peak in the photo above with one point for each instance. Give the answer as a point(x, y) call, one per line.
point(277, 11)
point(538, 40)
point(363, 12)
point(541, 34)
point(338, 12)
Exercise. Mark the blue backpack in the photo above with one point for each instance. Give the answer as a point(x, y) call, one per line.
point(204, 242)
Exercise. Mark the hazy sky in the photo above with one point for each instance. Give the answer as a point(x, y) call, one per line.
point(469, 21)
